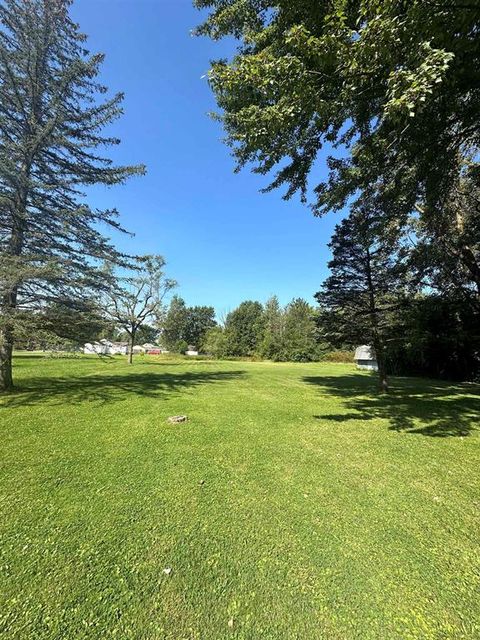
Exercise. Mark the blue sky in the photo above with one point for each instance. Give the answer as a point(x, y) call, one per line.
point(223, 240)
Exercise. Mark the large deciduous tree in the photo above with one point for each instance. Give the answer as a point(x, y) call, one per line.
point(138, 297)
point(200, 320)
point(244, 329)
point(312, 72)
point(52, 113)
point(392, 87)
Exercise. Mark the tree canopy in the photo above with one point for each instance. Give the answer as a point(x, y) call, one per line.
point(182, 326)
point(137, 297)
point(244, 329)
point(392, 85)
point(52, 113)
point(384, 95)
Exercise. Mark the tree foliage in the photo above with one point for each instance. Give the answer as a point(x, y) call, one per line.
point(58, 324)
point(183, 326)
point(215, 343)
point(268, 331)
point(271, 343)
point(388, 92)
point(200, 319)
point(437, 336)
point(244, 329)
point(299, 341)
point(369, 280)
point(138, 297)
point(52, 113)
point(395, 84)
point(173, 324)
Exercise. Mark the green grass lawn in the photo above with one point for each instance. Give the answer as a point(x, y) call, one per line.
point(294, 503)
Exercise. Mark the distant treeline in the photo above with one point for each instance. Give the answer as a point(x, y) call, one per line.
point(253, 329)
point(428, 335)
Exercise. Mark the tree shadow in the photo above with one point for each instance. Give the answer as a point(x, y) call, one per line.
point(415, 405)
point(107, 388)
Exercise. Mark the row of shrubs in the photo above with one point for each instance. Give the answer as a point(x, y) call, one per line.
point(340, 356)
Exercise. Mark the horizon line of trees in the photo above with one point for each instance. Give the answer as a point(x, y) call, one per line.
point(421, 333)
point(413, 331)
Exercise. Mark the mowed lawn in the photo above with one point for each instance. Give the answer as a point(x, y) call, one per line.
point(294, 503)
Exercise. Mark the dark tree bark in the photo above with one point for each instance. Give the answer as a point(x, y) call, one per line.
point(6, 352)
point(131, 345)
point(9, 297)
point(377, 341)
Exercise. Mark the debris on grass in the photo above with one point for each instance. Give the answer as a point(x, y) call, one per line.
point(167, 571)
point(175, 419)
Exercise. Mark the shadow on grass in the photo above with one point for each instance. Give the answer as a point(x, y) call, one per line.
point(415, 405)
point(110, 387)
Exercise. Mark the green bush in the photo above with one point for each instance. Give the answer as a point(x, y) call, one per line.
point(339, 356)
point(181, 346)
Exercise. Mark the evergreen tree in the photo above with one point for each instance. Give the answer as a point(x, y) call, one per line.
point(368, 281)
point(59, 323)
point(52, 112)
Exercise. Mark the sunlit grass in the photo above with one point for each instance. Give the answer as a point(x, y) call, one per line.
point(294, 503)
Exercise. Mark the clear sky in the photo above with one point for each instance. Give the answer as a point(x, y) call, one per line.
point(223, 240)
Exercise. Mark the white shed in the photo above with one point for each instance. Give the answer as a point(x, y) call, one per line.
point(365, 358)
point(191, 351)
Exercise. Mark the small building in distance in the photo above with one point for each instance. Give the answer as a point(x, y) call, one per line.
point(106, 348)
point(138, 348)
point(154, 349)
point(191, 351)
point(365, 358)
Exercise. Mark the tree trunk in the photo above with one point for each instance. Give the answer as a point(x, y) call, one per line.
point(382, 373)
point(6, 350)
point(377, 341)
point(8, 306)
point(130, 347)
point(9, 296)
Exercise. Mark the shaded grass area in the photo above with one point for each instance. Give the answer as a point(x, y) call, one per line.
point(434, 409)
point(292, 504)
point(109, 387)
